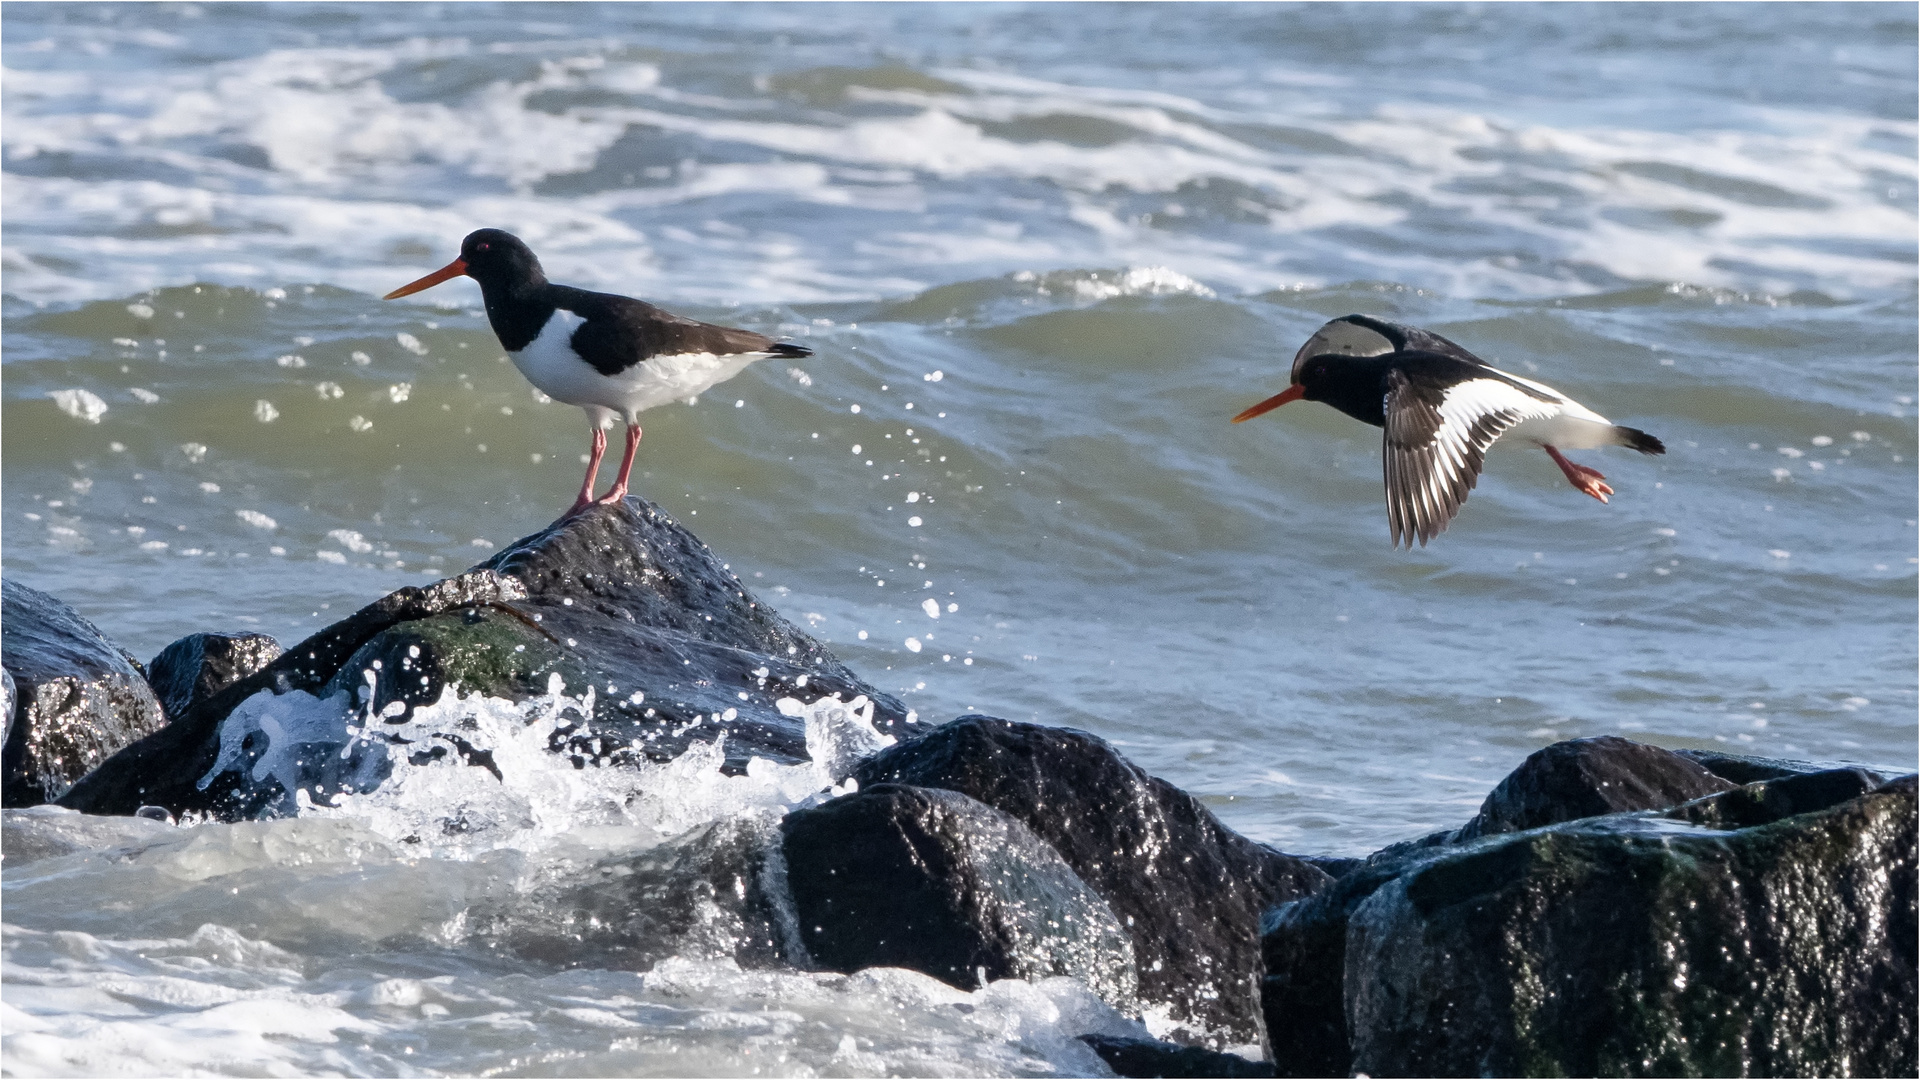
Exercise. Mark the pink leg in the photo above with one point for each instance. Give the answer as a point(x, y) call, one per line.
point(593, 468)
point(1584, 479)
point(619, 489)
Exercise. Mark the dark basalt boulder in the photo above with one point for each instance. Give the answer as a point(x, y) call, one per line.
point(1582, 778)
point(75, 699)
point(1189, 890)
point(1765, 930)
point(619, 600)
point(198, 666)
point(899, 876)
point(1151, 1057)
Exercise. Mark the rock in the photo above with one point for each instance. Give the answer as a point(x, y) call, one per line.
point(617, 596)
point(1189, 890)
point(1770, 800)
point(1303, 948)
point(1150, 1057)
point(75, 697)
point(1780, 941)
point(198, 666)
point(621, 596)
point(1742, 769)
point(899, 876)
point(1582, 778)
point(170, 768)
point(1335, 865)
point(699, 896)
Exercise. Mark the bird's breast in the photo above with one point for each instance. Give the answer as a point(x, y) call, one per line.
point(550, 363)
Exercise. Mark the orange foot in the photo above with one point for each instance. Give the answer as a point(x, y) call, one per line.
point(1585, 480)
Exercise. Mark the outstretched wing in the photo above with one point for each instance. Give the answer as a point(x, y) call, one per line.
point(1436, 439)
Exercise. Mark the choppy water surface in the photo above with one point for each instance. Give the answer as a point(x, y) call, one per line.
point(1042, 253)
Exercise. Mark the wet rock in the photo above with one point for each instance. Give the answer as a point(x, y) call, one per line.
point(623, 600)
point(619, 602)
point(1582, 778)
point(1742, 769)
point(75, 697)
point(698, 896)
point(1303, 948)
point(1770, 800)
point(1335, 865)
point(1189, 890)
point(1150, 1057)
point(198, 666)
point(1779, 940)
point(899, 876)
point(170, 768)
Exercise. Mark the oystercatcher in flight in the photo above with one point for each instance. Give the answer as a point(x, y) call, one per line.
point(1441, 407)
point(610, 355)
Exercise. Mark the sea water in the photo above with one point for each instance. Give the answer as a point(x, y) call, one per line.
point(1041, 253)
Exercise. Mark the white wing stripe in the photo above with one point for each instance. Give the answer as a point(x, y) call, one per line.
point(1427, 483)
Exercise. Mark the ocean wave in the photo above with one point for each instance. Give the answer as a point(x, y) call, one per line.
point(336, 164)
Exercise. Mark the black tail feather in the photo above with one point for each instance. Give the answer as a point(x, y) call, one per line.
point(1639, 440)
point(782, 348)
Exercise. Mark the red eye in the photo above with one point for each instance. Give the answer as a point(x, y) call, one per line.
point(486, 247)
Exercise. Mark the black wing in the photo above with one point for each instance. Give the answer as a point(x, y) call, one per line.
point(1418, 340)
point(621, 332)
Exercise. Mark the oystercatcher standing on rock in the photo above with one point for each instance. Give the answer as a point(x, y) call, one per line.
point(610, 355)
point(1441, 407)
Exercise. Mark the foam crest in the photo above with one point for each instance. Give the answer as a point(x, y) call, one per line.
point(81, 1005)
point(309, 164)
point(480, 773)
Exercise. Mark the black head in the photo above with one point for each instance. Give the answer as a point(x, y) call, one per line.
point(492, 257)
point(1314, 374)
point(495, 255)
point(1318, 364)
point(1349, 335)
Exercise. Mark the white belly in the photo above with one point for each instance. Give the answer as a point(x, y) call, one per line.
point(1564, 432)
point(550, 363)
point(1570, 426)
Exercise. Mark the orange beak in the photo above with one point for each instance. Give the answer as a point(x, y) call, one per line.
point(452, 270)
point(1291, 393)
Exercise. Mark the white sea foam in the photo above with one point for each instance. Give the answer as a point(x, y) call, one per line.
point(350, 540)
point(1791, 197)
point(176, 989)
point(214, 1001)
point(80, 404)
point(331, 760)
